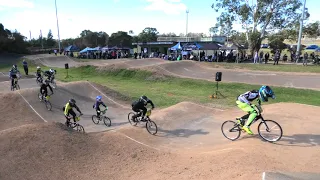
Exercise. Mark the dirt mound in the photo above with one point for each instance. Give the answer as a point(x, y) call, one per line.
point(113, 67)
point(49, 151)
point(15, 111)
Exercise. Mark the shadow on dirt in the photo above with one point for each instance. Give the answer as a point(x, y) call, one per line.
point(300, 140)
point(180, 133)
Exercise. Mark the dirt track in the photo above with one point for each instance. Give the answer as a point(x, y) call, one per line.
point(189, 144)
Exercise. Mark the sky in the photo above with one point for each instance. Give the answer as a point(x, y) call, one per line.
point(113, 15)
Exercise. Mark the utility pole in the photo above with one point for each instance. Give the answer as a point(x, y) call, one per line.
point(57, 24)
point(41, 39)
point(30, 35)
point(300, 32)
point(187, 12)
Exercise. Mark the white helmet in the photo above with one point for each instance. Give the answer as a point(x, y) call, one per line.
point(51, 70)
point(38, 67)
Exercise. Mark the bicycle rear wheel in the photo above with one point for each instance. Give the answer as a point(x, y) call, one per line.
point(107, 121)
point(95, 119)
point(131, 120)
point(232, 127)
point(48, 105)
point(272, 127)
point(151, 127)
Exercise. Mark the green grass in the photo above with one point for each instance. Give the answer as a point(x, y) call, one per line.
point(268, 67)
point(166, 91)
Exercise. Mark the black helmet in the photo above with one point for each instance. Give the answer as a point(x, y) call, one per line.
point(72, 101)
point(144, 98)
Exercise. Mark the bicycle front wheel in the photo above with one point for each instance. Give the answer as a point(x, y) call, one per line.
point(48, 106)
point(107, 121)
point(231, 130)
point(151, 127)
point(54, 85)
point(270, 130)
point(40, 96)
point(80, 128)
point(95, 119)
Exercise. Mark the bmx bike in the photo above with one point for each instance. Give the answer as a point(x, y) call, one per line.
point(15, 84)
point(45, 100)
point(75, 125)
point(151, 126)
point(96, 119)
point(236, 127)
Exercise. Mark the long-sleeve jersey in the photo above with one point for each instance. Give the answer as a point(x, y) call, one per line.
point(140, 104)
point(249, 96)
point(44, 87)
point(13, 72)
point(68, 107)
point(97, 104)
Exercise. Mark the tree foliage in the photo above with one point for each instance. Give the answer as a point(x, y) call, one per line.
point(121, 39)
point(262, 16)
point(276, 42)
point(12, 41)
point(148, 34)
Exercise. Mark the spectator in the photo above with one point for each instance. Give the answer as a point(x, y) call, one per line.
point(305, 58)
point(266, 57)
point(25, 66)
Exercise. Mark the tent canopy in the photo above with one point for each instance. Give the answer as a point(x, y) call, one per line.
point(176, 47)
point(192, 46)
point(88, 49)
point(71, 48)
point(232, 46)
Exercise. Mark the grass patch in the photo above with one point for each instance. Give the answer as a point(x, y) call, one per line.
point(167, 91)
point(267, 67)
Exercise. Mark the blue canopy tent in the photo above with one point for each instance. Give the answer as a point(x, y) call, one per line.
point(71, 48)
point(176, 47)
point(88, 49)
point(192, 46)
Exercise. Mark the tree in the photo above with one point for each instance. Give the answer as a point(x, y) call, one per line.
point(276, 42)
point(311, 30)
point(213, 31)
point(12, 41)
point(149, 34)
point(50, 42)
point(263, 16)
point(239, 38)
point(171, 34)
point(121, 39)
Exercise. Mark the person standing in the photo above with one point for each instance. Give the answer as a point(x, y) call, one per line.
point(25, 66)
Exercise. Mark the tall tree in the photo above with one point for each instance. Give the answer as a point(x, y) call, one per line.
point(149, 34)
point(213, 30)
point(50, 42)
point(120, 39)
point(276, 42)
point(261, 16)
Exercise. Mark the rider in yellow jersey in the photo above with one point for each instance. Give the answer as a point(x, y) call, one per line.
point(69, 111)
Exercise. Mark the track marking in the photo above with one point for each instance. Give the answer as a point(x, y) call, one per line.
point(2, 73)
point(32, 107)
point(136, 141)
point(264, 176)
point(107, 96)
point(221, 150)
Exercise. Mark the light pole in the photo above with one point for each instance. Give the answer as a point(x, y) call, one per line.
point(300, 32)
point(187, 12)
point(57, 24)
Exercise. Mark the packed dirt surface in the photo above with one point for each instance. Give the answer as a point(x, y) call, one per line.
point(15, 111)
point(49, 151)
point(195, 70)
point(189, 144)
